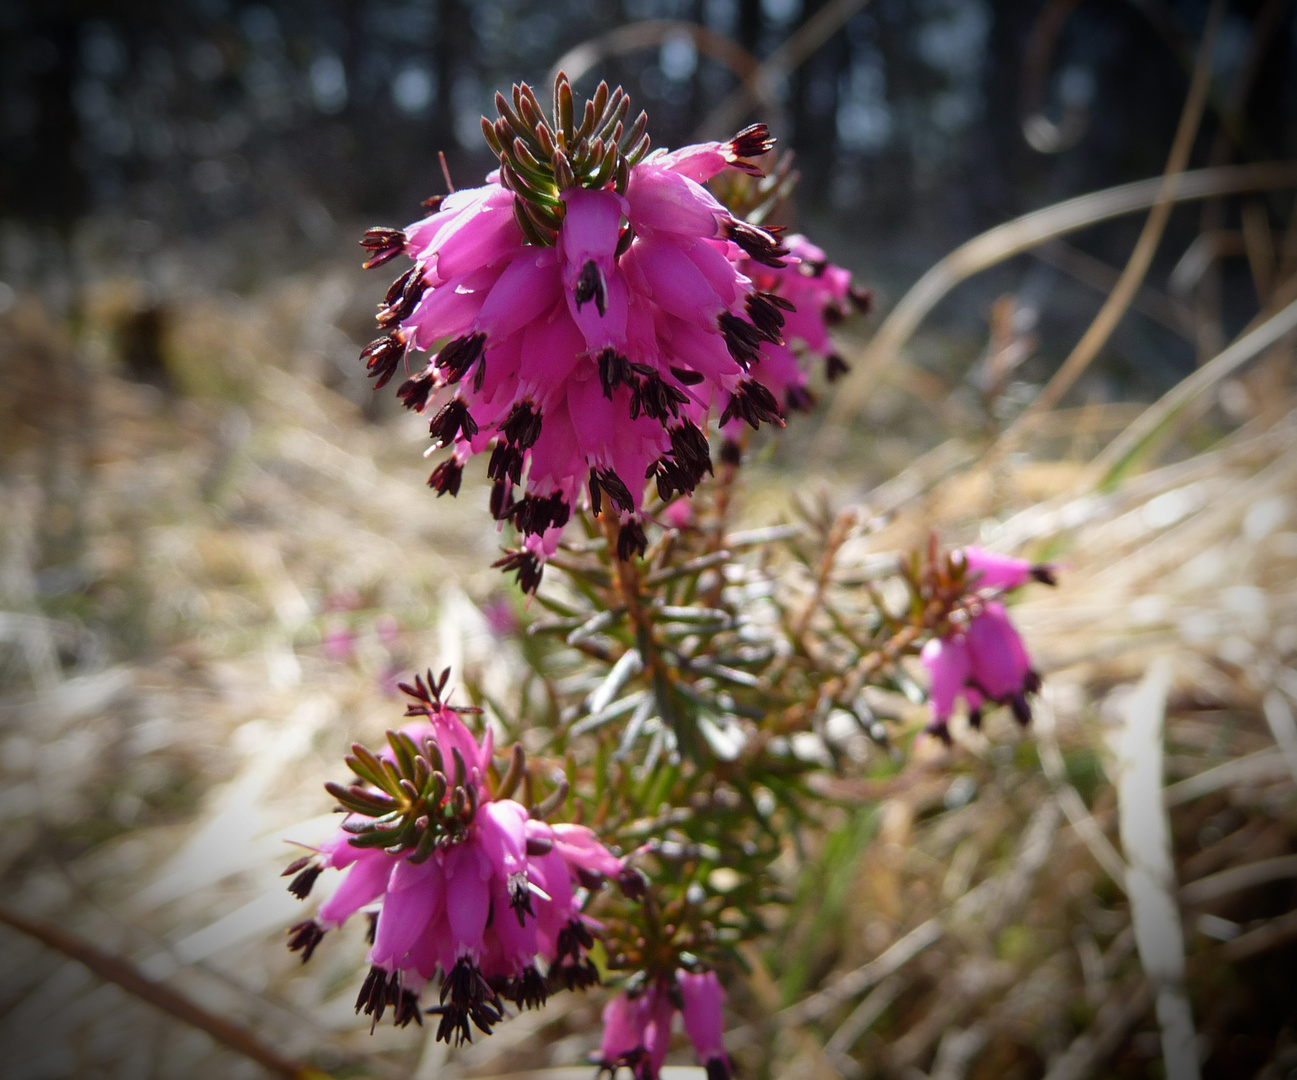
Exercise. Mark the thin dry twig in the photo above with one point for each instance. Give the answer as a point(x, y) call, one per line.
point(126, 975)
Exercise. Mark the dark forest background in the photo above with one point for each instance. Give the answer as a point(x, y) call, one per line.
point(259, 137)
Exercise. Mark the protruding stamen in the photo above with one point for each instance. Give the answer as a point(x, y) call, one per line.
point(415, 391)
point(760, 245)
point(383, 244)
point(520, 897)
point(524, 565)
point(529, 990)
point(617, 490)
point(399, 307)
point(631, 540)
point(753, 141)
point(654, 396)
point(382, 356)
point(304, 937)
point(452, 419)
point(302, 884)
point(501, 499)
point(506, 462)
point(766, 317)
point(535, 513)
point(522, 427)
point(753, 403)
point(614, 369)
point(590, 286)
point(835, 367)
point(457, 356)
point(741, 338)
point(446, 477)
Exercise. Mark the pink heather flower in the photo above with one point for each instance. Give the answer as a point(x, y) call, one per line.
point(1001, 669)
point(989, 570)
point(474, 892)
point(625, 1021)
point(588, 328)
point(818, 295)
point(637, 1031)
point(987, 661)
point(637, 1025)
point(702, 999)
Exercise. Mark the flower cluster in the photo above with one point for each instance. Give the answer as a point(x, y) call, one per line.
point(637, 1025)
point(821, 295)
point(468, 883)
point(590, 312)
point(982, 658)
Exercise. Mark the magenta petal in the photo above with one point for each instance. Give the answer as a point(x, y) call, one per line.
point(365, 881)
point(413, 900)
point(657, 1032)
point(999, 659)
point(590, 226)
point(674, 282)
point(704, 1023)
point(699, 161)
point(452, 735)
point(988, 570)
point(624, 1020)
point(662, 200)
point(550, 874)
point(500, 833)
point(528, 287)
point(468, 898)
point(581, 848)
point(949, 666)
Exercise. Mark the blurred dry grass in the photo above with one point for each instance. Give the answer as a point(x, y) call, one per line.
point(212, 563)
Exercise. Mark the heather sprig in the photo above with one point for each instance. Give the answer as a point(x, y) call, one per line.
point(592, 313)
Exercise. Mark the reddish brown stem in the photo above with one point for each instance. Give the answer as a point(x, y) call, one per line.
point(126, 975)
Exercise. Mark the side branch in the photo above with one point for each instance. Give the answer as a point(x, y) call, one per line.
point(126, 975)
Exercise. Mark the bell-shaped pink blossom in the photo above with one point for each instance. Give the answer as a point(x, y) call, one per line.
point(637, 1031)
point(989, 570)
point(702, 998)
point(1000, 668)
point(625, 1024)
point(985, 661)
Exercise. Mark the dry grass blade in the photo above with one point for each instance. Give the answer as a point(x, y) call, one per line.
point(1020, 235)
point(1116, 455)
point(852, 983)
point(1279, 715)
point(1069, 799)
point(1150, 877)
